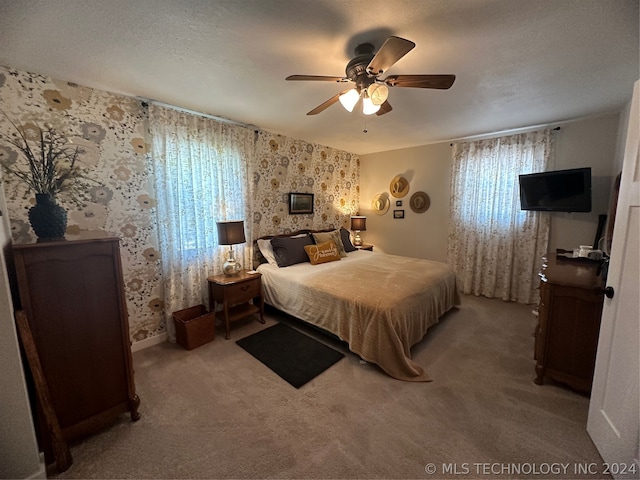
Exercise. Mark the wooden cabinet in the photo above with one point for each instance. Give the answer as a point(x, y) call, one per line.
point(365, 246)
point(566, 338)
point(240, 296)
point(73, 296)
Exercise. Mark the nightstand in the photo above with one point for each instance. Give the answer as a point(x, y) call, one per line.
point(240, 296)
point(364, 246)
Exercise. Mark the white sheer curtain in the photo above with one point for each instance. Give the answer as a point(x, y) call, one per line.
point(494, 247)
point(201, 177)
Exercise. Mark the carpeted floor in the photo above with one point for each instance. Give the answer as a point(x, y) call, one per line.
point(215, 412)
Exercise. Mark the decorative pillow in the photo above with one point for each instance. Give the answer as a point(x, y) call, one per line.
point(322, 252)
point(322, 237)
point(345, 235)
point(267, 251)
point(289, 251)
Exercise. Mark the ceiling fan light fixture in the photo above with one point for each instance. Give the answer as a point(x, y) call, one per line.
point(349, 99)
point(364, 72)
point(368, 108)
point(378, 93)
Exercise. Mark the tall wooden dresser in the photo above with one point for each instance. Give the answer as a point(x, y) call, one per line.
point(566, 338)
point(73, 296)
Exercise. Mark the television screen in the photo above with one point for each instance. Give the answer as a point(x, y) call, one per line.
point(556, 191)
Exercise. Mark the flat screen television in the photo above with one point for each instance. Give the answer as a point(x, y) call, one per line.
point(557, 191)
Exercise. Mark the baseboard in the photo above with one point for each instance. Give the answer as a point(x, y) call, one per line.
point(149, 342)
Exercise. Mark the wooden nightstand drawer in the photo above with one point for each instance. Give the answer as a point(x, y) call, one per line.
point(241, 292)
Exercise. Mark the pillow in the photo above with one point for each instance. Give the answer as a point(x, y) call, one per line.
point(322, 237)
point(322, 252)
point(289, 251)
point(267, 251)
point(345, 235)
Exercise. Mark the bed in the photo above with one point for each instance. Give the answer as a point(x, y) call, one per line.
point(380, 304)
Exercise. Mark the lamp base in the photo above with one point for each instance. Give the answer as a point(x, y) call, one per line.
point(357, 240)
point(231, 268)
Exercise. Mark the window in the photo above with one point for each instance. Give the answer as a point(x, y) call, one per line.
point(200, 178)
point(494, 247)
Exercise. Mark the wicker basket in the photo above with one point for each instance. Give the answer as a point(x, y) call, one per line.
point(194, 326)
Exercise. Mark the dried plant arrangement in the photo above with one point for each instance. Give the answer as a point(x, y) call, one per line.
point(52, 163)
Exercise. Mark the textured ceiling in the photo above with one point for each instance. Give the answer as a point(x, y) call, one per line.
point(518, 62)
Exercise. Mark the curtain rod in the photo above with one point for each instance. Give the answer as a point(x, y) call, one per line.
point(146, 102)
point(496, 136)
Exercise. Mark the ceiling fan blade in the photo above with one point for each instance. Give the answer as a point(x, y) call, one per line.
point(327, 104)
point(392, 50)
point(442, 82)
point(317, 78)
point(384, 108)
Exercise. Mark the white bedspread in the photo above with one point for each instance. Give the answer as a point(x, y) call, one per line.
point(380, 304)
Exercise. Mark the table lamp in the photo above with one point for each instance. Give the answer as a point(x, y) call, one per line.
point(358, 224)
point(231, 233)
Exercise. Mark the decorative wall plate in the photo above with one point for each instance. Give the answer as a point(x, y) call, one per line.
point(380, 204)
point(419, 202)
point(399, 186)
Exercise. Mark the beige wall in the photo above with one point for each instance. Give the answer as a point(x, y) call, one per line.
point(420, 235)
point(589, 142)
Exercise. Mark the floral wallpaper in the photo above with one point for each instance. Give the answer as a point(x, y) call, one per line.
point(112, 131)
point(285, 165)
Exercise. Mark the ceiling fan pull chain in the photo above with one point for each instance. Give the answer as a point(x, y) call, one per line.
point(365, 126)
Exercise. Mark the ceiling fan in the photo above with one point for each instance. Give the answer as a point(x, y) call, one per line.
point(364, 71)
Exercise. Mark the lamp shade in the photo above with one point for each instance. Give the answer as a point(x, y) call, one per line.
point(368, 107)
point(359, 223)
point(349, 99)
point(231, 233)
point(378, 93)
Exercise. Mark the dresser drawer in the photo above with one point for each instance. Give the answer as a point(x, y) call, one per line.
point(243, 291)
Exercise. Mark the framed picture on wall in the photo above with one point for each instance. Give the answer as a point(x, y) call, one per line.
point(398, 203)
point(300, 203)
point(398, 214)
